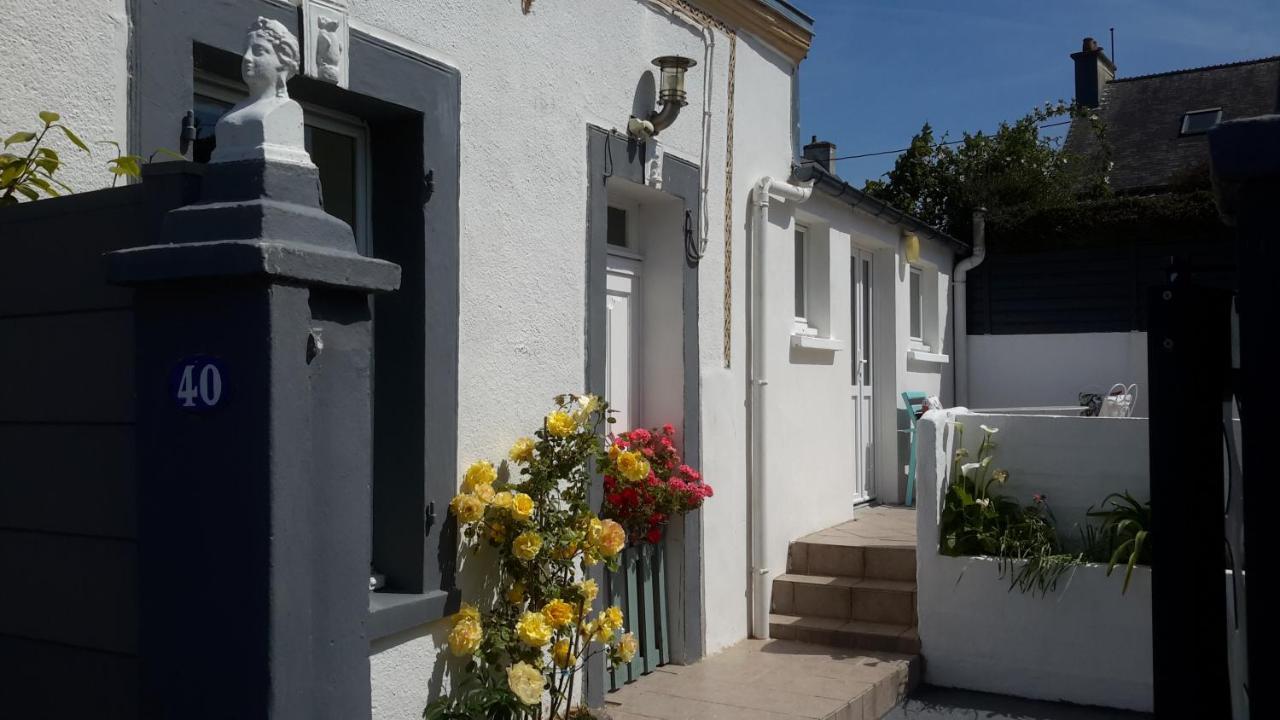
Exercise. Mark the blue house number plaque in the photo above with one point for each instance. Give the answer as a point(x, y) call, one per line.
point(198, 383)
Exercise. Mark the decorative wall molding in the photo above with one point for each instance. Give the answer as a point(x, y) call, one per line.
point(326, 31)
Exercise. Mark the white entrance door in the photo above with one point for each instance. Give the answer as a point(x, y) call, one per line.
point(622, 320)
point(860, 332)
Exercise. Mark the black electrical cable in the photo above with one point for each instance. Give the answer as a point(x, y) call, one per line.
point(949, 142)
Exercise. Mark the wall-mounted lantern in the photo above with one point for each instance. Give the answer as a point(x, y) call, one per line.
point(671, 97)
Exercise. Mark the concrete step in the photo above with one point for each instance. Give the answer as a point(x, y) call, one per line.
point(860, 634)
point(845, 598)
point(826, 557)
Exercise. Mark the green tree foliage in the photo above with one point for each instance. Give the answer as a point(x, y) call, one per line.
point(1015, 169)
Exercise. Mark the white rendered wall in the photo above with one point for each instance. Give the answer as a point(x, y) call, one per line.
point(531, 84)
point(1083, 643)
point(1053, 369)
point(69, 58)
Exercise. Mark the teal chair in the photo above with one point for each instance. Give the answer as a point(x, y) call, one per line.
point(915, 402)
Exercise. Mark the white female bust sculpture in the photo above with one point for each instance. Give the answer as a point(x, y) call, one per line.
point(267, 125)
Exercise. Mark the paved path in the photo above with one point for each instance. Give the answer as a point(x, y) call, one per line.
point(877, 526)
point(769, 680)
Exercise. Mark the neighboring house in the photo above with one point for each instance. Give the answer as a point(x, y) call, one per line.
point(483, 148)
point(1065, 293)
point(856, 300)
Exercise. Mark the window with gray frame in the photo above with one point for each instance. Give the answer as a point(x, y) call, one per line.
point(371, 144)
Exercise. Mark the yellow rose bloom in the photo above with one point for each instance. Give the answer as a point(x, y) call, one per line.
point(526, 545)
point(612, 538)
point(586, 405)
point(521, 451)
point(465, 637)
point(560, 654)
point(481, 472)
point(627, 647)
point(611, 618)
point(566, 552)
point(558, 613)
point(560, 424)
point(484, 492)
point(588, 590)
point(526, 682)
point(515, 594)
point(467, 507)
point(502, 500)
point(594, 528)
point(633, 466)
point(466, 612)
point(533, 630)
point(521, 506)
point(601, 633)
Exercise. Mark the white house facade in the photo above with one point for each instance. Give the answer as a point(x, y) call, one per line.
point(484, 148)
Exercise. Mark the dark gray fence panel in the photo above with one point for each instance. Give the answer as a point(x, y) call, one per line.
point(79, 683)
point(53, 260)
point(1077, 289)
point(68, 517)
point(73, 368)
point(76, 479)
point(70, 589)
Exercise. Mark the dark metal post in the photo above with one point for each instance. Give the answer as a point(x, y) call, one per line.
point(1246, 174)
point(254, 345)
point(1189, 351)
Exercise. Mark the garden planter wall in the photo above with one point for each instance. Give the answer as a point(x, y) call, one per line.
point(1084, 642)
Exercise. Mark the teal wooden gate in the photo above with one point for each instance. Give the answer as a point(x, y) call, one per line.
point(640, 589)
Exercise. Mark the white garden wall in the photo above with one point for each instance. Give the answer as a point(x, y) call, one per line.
point(1053, 369)
point(1085, 642)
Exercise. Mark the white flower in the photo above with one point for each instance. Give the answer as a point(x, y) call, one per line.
point(984, 502)
point(989, 430)
point(968, 469)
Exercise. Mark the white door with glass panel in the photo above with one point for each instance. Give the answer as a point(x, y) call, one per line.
point(860, 332)
point(622, 318)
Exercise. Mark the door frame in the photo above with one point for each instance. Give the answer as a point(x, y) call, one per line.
point(857, 256)
point(611, 155)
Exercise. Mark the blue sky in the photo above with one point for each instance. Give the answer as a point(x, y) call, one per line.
point(879, 68)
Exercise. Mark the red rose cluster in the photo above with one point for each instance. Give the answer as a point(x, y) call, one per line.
point(643, 506)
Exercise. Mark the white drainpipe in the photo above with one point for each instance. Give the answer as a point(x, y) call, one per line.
point(959, 284)
point(757, 373)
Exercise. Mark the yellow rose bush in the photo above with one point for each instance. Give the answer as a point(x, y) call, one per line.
point(527, 643)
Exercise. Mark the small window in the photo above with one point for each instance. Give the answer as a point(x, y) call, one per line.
point(1199, 122)
point(801, 276)
point(617, 232)
point(917, 305)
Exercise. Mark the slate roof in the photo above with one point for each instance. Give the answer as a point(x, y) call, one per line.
point(1142, 116)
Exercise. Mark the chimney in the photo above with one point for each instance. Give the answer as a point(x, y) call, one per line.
point(1093, 71)
point(820, 153)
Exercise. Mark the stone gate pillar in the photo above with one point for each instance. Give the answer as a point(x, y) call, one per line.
point(254, 342)
point(254, 358)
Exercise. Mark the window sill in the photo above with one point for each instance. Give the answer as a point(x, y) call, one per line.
point(926, 356)
point(390, 613)
point(813, 342)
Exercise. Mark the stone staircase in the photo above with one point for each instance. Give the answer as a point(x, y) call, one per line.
point(844, 591)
